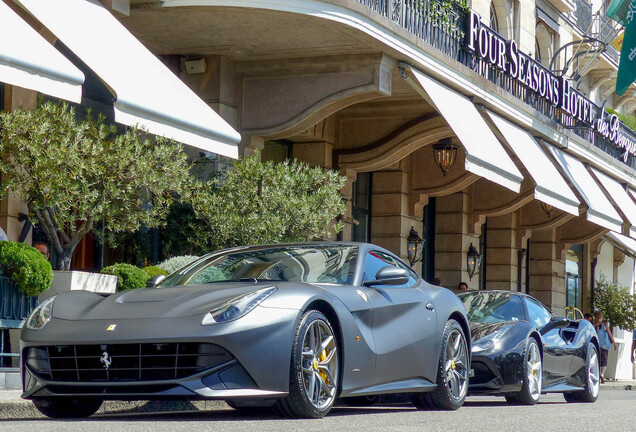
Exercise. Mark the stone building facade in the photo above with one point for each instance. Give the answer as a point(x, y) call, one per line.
point(368, 87)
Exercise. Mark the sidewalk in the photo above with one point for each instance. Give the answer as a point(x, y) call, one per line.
point(12, 407)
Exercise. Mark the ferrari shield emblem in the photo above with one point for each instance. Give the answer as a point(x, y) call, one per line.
point(363, 295)
point(111, 327)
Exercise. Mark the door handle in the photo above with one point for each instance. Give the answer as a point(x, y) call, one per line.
point(430, 306)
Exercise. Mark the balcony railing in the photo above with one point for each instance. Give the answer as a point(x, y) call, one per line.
point(442, 26)
point(583, 15)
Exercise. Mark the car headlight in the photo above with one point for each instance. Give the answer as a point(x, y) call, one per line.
point(490, 341)
point(40, 316)
point(238, 307)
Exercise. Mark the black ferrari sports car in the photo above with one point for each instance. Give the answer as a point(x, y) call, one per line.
point(292, 326)
point(521, 349)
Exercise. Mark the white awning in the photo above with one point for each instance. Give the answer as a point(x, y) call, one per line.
point(147, 93)
point(623, 243)
point(27, 60)
point(600, 210)
point(621, 198)
point(550, 187)
point(484, 154)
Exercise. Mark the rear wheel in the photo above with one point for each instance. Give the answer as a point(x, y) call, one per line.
point(452, 372)
point(532, 377)
point(314, 369)
point(592, 379)
point(62, 407)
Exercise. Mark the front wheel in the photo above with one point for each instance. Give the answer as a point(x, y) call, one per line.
point(63, 407)
point(592, 379)
point(314, 371)
point(452, 372)
point(532, 376)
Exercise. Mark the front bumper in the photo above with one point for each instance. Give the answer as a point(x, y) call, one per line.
point(499, 375)
point(251, 358)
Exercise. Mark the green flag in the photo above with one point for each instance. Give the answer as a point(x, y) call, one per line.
point(624, 12)
point(618, 10)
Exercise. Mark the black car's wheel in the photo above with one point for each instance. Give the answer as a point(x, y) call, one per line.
point(358, 401)
point(62, 407)
point(452, 372)
point(592, 379)
point(314, 369)
point(532, 376)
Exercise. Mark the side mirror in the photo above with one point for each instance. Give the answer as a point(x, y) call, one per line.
point(154, 281)
point(389, 275)
point(555, 323)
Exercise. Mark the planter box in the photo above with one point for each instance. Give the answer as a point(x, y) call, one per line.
point(15, 306)
point(77, 280)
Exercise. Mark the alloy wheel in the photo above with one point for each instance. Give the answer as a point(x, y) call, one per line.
point(535, 371)
point(456, 367)
point(320, 364)
point(593, 373)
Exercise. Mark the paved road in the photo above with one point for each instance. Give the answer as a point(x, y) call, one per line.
point(614, 411)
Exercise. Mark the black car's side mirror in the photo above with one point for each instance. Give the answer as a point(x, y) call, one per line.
point(555, 323)
point(389, 275)
point(154, 281)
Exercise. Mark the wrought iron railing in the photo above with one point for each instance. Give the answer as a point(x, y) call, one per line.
point(442, 23)
point(583, 15)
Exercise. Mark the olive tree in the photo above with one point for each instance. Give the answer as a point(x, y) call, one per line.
point(262, 202)
point(73, 174)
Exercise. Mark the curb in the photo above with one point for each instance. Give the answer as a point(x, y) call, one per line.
point(20, 409)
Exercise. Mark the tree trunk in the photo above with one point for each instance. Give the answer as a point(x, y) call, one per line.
point(63, 260)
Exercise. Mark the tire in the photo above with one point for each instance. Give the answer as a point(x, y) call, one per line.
point(452, 372)
point(314, 369)
point(359, 401)
point(532, 376)
point(63, 407)
point(589, 394)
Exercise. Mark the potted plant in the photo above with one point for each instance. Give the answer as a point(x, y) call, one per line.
point(619, 309)
point(25, 274)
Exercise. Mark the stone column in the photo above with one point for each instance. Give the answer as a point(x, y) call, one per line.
point(501, 253)
point(452, 240)
point(390, 219)
point(547, 270)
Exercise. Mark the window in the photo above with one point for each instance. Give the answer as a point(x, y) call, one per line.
point(539, 314)
point(493, 307)
point(494, 23)
point(376, 260)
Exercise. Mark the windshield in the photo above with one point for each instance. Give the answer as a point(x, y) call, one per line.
point(306, 263)
point(493, 307)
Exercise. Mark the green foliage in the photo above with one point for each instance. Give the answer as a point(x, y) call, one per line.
point(262, 202)
point(153, 271)
point(616, 303)
point(175, 263)
point(442, 14)
point(181, 224)
point(629, 121)
point(128, 276)
point(72, 174)
point(29, 270)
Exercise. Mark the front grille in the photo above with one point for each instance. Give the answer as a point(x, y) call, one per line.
point(124, 362)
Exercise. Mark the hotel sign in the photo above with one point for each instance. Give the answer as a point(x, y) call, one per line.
point(505, 56)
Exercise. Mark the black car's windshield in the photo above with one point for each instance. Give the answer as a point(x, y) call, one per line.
point(304, 263)
point(493, 307)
